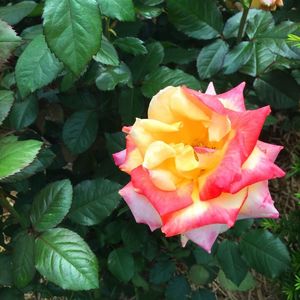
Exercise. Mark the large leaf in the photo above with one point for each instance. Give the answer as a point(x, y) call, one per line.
point(6, 102)
point(80, 130)
point(259, 22)
point(16, 155)
point(73, 31)
point(13, 14)
point(200, 19)
point(94, 200)
point(265, 252)
point(164, 77)
point(36, 67)
point(121, 264)
point(51, 205)
point(211, 58)
point(231, 262)
point(23, 260)
point(278, 89)
point(107, 54)
point(23, 113)
point(131, 45)
point(122, 10)
point(64, 258)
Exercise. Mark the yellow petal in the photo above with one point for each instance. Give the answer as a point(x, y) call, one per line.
point(186, 162)
point(219, 126)
point(163, 179)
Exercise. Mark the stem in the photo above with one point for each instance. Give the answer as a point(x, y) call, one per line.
point(5, 203)
point(243, 24)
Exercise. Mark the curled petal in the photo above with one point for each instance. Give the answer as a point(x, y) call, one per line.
point(119, 157)
point(140, 207)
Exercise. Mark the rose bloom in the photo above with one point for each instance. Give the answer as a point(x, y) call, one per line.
point(196, 164)
point(266, 4)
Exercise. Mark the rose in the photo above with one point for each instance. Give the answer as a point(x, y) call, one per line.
point(266, 4)
point(196, 164)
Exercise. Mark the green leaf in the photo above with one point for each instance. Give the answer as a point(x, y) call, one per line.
point(107, 54)
point(6, 269)
point(6, 102)
point(11, 294)
point(23, 260)
point(115, 142)
point(198, 19)
point(211, 58)
point(237, 57)
point(199, 275)
point(152, 2)
point(16, 155)
point(178, 55)
point(23, 113)
point(241, 226)
point(80, 130)
point(247, 284)
point(110, 77)
point(231, 262)
point(278, 89)
point(203, 295)
point(131, 45)
point(51, 205)
point(148, 12)
point(177, 289)
point(142, 65)
point(134, 237)
point(36, 67)
point(64, 258)
point(123, 10)
point(121, 264)
point(265, 252)
point(9, 41)
point(13, 14)
point(259, 23)
point(94, 200)
point(131, 105)
point(73, 31)
point(162, 271)
point(164, 77)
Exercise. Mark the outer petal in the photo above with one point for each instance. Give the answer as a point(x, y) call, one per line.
point(163, 201)
point(259, 203)
point(204, 236)
point(222, 210)
point(210, 89)
point(270, 150)
point(140, 207)
point(119, 157)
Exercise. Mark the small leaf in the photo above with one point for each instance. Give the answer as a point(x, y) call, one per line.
point(80, 130)
point(73, 31)
point(94, 200)
point(121, 264)
point(16, 155)
point(6, 102)
point(13, 14)
point(164, 77)
point(247, 284)
point(199, 275)
point(211, 58)
point(115, 142)
point(107, 54)
point(131, 45)
point(123, 10)
point(162, 271)
point(51, 205)
point(265, 252)
point(64, 258)
point(23, 260)
point(177, 289)
point(36, 67)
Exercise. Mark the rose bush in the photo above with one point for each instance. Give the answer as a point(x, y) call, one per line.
point(196, 164)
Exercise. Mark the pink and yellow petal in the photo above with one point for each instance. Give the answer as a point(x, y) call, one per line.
point(119, 157)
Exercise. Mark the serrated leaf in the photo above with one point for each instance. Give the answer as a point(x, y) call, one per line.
point(16, 155)
point(211, 58)
point(23, 260)
point(265, 252)
point(107, 54)
point(23, 113)
point(278, 89)
point(80, 130)
point(94, 200)
point(123, 10)
point(259, 23)
point(231, 262)
point(64, 258)
point(36, 67)
point(6, 102)
point(13, 14)
point(121, 264)
point(237, 57)
point(177, 289)
point(131, 45)
point(73, 31)
point(163, 77)
point(247, 284)
point(51, 205)
point(198, 19)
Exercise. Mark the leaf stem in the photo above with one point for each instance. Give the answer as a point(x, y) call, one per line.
point(243, 22)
